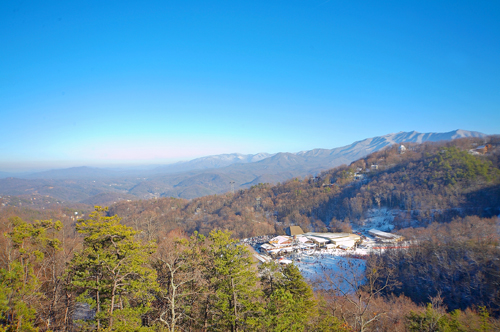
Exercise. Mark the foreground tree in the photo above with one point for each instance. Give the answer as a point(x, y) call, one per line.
point(111, 273)
point(291, 302)
point(178, 263)
point(20, 285)
point(282, 312)
point(233, 303)
point(435, 318)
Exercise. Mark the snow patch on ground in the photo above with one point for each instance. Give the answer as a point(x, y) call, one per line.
point(319, 267)
point(378, 218)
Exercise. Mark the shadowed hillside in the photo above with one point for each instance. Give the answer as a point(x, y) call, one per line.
point(429, 182)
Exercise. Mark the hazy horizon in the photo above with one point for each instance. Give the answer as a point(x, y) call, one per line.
point(105, 83)
point(28, 167)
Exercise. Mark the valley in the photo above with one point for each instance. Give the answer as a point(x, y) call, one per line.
point(440, 202)
point(202, 176)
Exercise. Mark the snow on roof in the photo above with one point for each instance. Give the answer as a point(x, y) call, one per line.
point(344, 240)
point(279, 239)
point(303, 239)
point(306, 245)
point(318, 239)
point(376, 232)
point(333, 236)
point(261, 258)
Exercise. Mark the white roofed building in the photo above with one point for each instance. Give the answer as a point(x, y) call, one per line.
point(344, 242)
point(304, 239)
point(320, 241)
point(385, 235)
point(281, 240)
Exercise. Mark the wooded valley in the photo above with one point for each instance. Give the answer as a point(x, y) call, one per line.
point(171, 264)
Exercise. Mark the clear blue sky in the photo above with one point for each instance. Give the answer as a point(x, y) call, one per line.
point(104, 82)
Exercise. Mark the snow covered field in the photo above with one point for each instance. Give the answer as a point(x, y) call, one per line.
point(322, 268)
point(347, 264)
point(381, 219)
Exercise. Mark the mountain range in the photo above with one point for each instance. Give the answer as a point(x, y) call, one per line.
point(203, 176)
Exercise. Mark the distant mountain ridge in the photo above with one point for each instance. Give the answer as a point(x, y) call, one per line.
point(216, 161)
point(82, 172)
point(208, 175)
point(349, 153)
point(318, 158)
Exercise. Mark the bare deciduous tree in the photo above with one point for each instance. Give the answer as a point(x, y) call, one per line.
point(355, 288)
point(177, 265)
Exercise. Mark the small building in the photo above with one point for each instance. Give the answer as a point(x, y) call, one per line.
point(338, 236)
point(374, 167)
point(281, 241)
point(266, 246)
point(294, 230)
point(402, 149)
point(385, 235)
point(319, 241)
point(347, 240)
point(262, 259)
point(303, 239)
point(358, 176)
point(483, 149)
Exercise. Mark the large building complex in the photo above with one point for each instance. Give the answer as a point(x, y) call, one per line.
point(310, 240)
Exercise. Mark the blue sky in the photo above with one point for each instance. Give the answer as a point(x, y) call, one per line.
point(112, 82)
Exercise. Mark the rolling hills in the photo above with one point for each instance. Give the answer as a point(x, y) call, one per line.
point(203, 176)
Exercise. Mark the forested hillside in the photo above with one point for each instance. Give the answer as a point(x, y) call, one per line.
point(429, 182)
point(172, 262)
point(202, 176)
point(457, 260)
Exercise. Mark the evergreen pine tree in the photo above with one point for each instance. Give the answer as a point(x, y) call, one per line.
point(111, 272)
point(234, 301)
point(19, 282)
point(291, 303)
